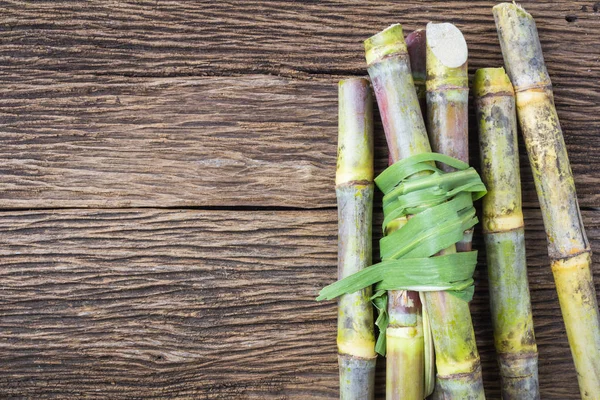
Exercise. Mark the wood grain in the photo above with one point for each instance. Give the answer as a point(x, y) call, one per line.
point(145, 303)
point(170, 142)
point(158, 304)
point(106, 104)
point(175, 38)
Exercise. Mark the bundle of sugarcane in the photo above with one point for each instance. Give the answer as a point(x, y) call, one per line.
point(568, 246)
point(505, 235)
point(412, 248)
point(354, 189)
point(424, 281)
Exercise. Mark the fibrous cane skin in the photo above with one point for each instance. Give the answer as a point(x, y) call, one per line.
point(505, 236)
point(457, 358)
point(568, 246)
point(447, 93)
point(354, 190)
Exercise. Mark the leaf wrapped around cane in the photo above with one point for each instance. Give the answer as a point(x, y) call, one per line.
point(505, 235)
point(568, 246)
point(441, 209)
point(354, 189)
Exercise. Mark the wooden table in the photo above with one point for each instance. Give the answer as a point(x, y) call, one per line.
point(167, 193)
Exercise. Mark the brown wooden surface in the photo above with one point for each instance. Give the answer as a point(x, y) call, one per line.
point(220, 119)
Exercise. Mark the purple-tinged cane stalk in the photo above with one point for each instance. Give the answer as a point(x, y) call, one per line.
point(387, 58)
point(354, 190)
point(504, 234)
point(416, 44)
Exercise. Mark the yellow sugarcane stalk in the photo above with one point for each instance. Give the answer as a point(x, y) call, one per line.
point(568, 246)
point(354, 191)
point(504, 234)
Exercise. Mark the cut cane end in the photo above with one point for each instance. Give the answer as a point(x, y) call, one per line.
point(447, 43)
point(491, 81)
point(506, 8)
point(387, 42)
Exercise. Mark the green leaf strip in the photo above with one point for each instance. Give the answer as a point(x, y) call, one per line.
point(441, 205)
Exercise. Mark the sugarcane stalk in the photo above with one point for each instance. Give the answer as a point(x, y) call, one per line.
point(568, 246)
point(404, 335)
point(447, 99)
point(457, 358)
point(447, 91)
point(354, 191)
point(447, 96)
point(416, 45)
point(504, 235)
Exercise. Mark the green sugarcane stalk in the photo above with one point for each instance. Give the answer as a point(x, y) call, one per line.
point(457, 358)
point(505, 235)
point(354, 190)
point(568, 246)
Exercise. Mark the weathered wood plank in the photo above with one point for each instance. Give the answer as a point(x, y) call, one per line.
point(256, 140)
point(112, 142)
point(146, 303)
point(75, 133)
point(158, 304)
point(174, 38)
point(105, 104)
